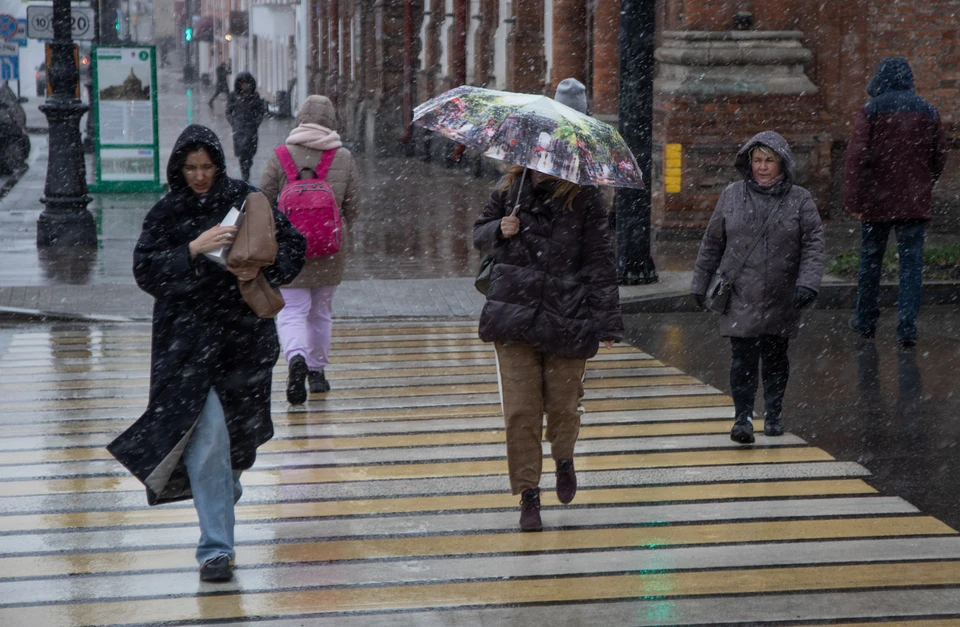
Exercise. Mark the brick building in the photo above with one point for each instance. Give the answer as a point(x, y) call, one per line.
point(725, 70)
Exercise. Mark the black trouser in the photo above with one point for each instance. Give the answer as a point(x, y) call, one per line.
point(221, 89)
point(771, 351)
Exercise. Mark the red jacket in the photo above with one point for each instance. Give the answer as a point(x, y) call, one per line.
point(897, 151)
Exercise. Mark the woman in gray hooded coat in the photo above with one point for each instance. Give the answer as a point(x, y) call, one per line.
point(780, 277)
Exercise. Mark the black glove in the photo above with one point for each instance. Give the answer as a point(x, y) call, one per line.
point(700, 300)
point(802, 297)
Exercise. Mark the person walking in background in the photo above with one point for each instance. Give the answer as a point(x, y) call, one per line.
point(895, 155)
point(245, 111)
point(212, 357)
point(551, 300)
point(305, 324)
point(223, 83)
point(765, 235)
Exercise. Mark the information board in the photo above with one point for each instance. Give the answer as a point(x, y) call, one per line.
point(124, 92)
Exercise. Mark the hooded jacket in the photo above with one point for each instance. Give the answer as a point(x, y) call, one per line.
point(554, 283)
point(789, 254)
point(204, 334)
point(245, 111)
point(343, 177)
point(897, 150)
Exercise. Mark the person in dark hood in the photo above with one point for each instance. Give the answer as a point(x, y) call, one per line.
point(551, 300)
point(212, 358)
point(779, 277)
point(245, 111)
point(223, 83)
point(895, 155)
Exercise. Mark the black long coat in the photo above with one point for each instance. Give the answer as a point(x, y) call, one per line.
point(245, 111)
point(554, 284)
point(204, 334)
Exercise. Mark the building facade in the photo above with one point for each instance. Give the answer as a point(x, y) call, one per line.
point(726, 69)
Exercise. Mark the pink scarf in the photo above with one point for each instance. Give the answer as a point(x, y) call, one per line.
point(314, 136)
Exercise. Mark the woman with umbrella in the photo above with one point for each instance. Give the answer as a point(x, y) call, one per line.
point(552, 298)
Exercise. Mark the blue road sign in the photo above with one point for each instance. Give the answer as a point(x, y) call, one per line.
point(9, 68)
point(8, 26)
point(21, 36)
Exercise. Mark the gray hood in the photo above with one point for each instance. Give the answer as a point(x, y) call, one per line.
point(779, 145)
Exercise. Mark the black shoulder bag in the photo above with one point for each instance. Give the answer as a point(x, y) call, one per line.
point(718, 294)
point(482, 282)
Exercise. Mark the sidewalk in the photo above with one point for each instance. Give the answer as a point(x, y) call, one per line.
point(410, 253)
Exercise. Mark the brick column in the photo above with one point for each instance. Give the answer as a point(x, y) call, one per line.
point(431, 50)
point(483, 73)
point(606, 58)
point(526, 64)
point(569, 41)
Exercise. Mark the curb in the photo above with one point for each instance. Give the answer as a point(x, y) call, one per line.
point(18, 314)
point(832, 296)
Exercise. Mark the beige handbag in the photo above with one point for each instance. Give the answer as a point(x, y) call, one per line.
point(256, 246)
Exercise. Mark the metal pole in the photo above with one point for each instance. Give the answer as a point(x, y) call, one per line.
point(65, 220)
point(637, 19)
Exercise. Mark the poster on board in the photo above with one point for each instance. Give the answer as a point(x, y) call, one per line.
point(124, 93)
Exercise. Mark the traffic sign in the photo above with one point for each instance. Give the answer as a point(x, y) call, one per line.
point(8, 26)
point(21, 36)
point(40, 22)
point(9, 68)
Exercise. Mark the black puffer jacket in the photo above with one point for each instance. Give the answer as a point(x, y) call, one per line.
point(554, 284)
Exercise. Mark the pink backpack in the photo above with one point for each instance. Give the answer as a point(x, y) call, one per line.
point(310, 205)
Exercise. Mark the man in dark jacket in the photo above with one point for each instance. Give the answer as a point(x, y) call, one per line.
point(895, 156)
point(223, 82)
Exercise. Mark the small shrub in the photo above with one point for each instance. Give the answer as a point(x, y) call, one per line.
point(940, 262)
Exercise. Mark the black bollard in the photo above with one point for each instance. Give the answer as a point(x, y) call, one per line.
point(65, 220)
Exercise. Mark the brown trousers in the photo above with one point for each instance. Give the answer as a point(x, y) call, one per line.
point(533, 384)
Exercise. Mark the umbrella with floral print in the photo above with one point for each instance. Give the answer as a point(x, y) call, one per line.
point(533, 131)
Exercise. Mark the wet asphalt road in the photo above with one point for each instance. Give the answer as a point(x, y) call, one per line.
point(895, 412)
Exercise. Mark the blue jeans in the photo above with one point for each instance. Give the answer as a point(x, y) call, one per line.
point(910, 248)
point(214, 483)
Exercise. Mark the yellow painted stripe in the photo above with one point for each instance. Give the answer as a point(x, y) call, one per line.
point(498, 593)
point(355, 393)
point(294, 416)
point(479, 544)
point(289, 476)
point(367, 507)
point(440, 438)
point(333, 375)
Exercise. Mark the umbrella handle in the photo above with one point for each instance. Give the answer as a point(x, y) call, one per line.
point(516, 205)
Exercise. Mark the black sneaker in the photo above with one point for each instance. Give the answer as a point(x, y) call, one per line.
point(530, 510)
point(866, 334)
point(742, 432)
point(909, 343)
point(566, 481)
point(318, 382)
point(217, 569)
point(296, 379)
point(773, 426)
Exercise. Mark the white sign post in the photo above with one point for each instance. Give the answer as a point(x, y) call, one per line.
point(40, 22)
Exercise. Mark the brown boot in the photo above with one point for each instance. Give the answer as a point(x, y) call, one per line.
point(530, 510)
point(566, 481)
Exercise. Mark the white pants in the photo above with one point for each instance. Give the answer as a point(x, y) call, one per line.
point(305, 324)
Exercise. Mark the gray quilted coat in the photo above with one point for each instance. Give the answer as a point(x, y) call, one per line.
point(790, 253)
point(343, 177)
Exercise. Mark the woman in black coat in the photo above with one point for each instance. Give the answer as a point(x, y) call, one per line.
point(551, 300)
point(212, 358)
point(245, 111)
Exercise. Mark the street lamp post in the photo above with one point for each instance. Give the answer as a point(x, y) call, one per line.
point(634, 263)
point(65, 220)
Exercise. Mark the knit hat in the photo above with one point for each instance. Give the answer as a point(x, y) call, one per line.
point(572, 93)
